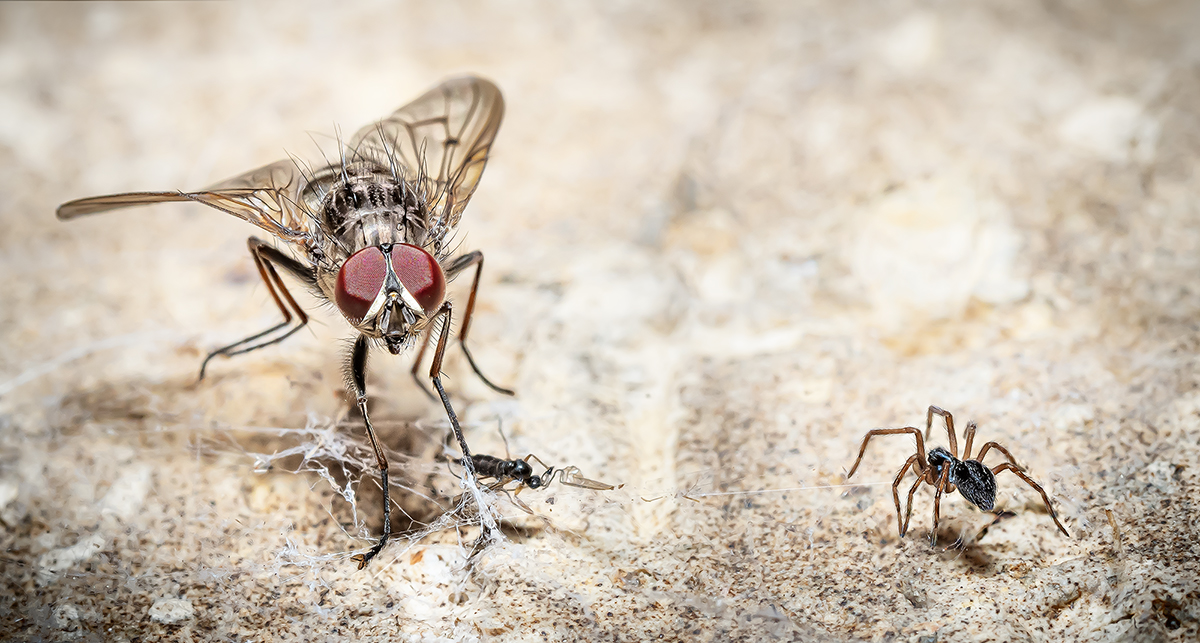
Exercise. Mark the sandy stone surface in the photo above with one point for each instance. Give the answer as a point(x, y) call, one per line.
point(723, 240)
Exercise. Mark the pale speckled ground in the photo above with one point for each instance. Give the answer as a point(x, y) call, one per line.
point(722, 243)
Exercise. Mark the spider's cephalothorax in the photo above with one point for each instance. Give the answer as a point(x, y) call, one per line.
point(974, 481)
point(946, 473)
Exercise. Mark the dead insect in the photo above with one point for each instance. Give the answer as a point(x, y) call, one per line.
point(372, 231)
point(944, 471)
point(519, 471)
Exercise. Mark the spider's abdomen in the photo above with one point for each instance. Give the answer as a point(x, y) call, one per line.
point(975, 482)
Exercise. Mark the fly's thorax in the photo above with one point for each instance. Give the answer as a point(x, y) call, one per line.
point(368, 206)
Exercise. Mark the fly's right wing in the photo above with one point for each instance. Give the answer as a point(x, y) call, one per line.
point(268, 197)
point(438, 143)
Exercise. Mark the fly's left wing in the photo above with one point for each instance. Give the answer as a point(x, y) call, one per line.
point(438, 143)
point(268, 197)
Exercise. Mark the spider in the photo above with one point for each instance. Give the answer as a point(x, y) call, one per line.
point(944, 471)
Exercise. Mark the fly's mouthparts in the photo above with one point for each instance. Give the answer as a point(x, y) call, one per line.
point(409, 317)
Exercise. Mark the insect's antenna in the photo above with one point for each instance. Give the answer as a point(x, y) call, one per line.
point(451, 470)
point(500, 428)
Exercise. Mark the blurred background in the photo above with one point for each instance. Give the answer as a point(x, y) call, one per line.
point(723, 241)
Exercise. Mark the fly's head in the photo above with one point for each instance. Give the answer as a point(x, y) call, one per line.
point(390, 291)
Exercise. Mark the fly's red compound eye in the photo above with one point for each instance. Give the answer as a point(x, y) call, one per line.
point(359, 282)
point(420, 274)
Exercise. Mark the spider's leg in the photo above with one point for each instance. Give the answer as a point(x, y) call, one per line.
point(970, 433)
point(873, 432)
point(517, 502)
point(911, 491)
point(1005, 466)
point(896, 491)
point(993, 445)
point(500, 428)
point(949, 426)
point(937, 503)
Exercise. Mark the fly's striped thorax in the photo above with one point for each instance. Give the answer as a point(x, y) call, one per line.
point(370, 207)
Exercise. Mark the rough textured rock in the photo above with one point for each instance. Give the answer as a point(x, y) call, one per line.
point(722, 242)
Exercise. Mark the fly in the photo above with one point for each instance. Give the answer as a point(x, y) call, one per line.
point(371, 232)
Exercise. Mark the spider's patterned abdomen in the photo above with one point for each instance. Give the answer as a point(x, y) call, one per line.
point(975, 482)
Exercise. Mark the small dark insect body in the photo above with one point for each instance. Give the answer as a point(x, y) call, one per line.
point(504, 471)
point(371, 230)
point(489, 466)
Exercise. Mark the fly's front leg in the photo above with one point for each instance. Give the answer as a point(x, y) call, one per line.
point(435, 375)
point(358, 382)
point(266, 258)
point(458, 265)
point(416, 367)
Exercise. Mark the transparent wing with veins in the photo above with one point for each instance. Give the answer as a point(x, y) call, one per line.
point(573, 477)
point(268, 197)
point(439, 144)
